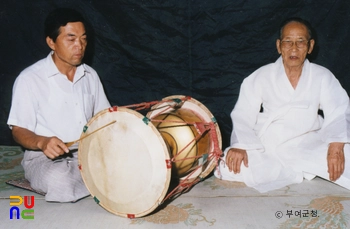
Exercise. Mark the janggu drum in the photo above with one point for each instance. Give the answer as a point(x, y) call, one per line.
point(129, 164)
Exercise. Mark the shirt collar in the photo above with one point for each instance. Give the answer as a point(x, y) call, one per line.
point(53, 70)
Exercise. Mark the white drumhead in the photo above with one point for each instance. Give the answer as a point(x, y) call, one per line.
point(124, 164)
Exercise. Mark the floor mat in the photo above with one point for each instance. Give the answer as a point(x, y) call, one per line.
point(23, 183)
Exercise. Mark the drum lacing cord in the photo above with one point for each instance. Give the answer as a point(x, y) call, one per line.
point(178, 103)
point(200, 127)
point(147, 105)
point(215, 155)
point(185, 185)
point(205, 127)
point(141, 106)
point(217, 152)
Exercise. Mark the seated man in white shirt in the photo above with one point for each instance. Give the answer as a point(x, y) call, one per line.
point(52, 101)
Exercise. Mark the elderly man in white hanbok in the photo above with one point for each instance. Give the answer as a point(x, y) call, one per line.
point(279, 136)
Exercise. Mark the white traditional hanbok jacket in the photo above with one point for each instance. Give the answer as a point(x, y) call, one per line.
point(282, 130)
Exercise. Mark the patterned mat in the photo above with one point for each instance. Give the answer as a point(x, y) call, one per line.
point(11, 169)
point(10, 165)
point(312, 204)
point(23, 183)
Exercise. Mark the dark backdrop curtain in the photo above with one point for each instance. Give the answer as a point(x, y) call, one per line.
point(145, 50)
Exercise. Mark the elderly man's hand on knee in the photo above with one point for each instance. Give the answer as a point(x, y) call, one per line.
point(335, 160)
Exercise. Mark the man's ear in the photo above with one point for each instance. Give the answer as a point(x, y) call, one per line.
point(50, 43)
point(278, 46)
point(311, 46)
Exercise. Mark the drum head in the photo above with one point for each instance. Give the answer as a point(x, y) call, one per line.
point(124, 165)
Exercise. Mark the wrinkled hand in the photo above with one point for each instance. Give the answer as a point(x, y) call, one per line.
point(335, 160)
point(234, 159)
point(53, 147)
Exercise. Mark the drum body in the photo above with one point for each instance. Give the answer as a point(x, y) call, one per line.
point(183, 140)
point(179, 118)
point(124, 166)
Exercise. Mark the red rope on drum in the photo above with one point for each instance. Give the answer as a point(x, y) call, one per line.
point(201, 130)
point(184, 185)
point(204, 124)
point(215, 155)
point(147, 105)
point(112, 109)
point(185, 147)
point(141, 106)
point(217, 152)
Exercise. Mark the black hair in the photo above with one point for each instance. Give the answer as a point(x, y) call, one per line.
point(60, 17)
point(299, 20)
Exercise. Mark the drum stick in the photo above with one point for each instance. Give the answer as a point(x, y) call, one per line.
point(71, 143)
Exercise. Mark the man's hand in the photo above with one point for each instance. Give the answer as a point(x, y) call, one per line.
point(335, 160)
point(53, 147)
point(234, 159)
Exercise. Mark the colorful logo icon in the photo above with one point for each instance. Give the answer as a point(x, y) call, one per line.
point(16, 202)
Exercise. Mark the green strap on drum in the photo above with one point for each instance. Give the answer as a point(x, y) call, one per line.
point(145, 120)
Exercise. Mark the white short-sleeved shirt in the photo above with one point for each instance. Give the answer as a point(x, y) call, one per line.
point(47, 103)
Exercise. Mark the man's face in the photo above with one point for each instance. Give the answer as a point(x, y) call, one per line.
point(294, 34)
point(70, 45)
